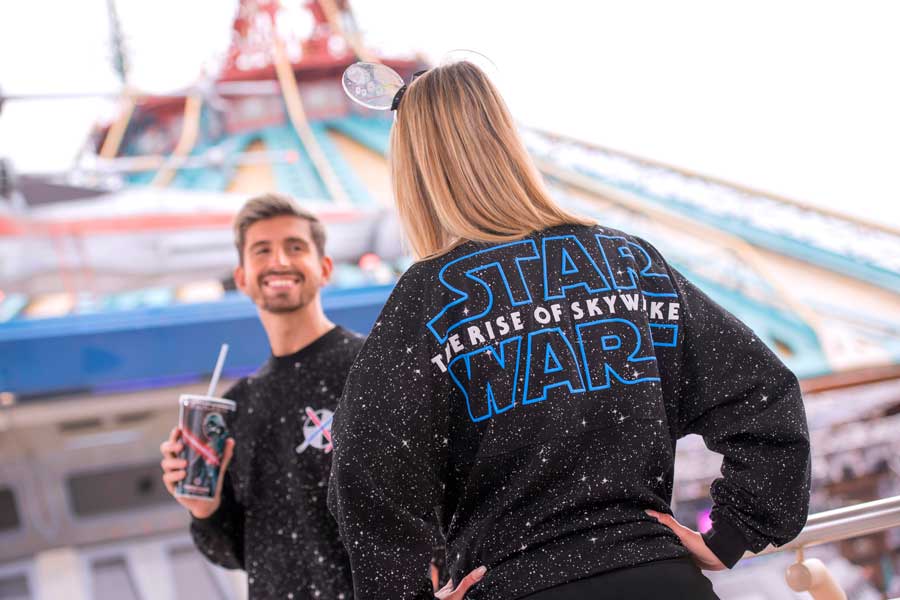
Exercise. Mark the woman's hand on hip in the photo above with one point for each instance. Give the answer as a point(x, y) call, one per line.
point(448, 592)
point(692, 540)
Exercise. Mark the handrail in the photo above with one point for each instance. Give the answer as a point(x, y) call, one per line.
point(850, 511)
point(841, 524)
point(811, 574)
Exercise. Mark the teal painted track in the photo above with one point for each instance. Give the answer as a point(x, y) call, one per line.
point(358, 193)
point(298, 178)
point(853, 249)
point(371, 133)
point(781, 244)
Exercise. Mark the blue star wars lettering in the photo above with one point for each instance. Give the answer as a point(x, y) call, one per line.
point(602, 305)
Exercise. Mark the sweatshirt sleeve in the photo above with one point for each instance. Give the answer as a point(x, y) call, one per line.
point(220, 537)
point(384, 482)
point(732, 390)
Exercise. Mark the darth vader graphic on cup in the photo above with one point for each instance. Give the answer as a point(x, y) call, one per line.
point(204, 429)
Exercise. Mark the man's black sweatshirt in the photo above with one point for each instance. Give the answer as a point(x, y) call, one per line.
point(273, 521)
point(534, 391)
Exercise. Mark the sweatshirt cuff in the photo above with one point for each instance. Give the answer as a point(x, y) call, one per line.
point(210, 522)
point(726, 542)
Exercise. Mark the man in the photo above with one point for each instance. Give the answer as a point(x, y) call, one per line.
point(269, 515)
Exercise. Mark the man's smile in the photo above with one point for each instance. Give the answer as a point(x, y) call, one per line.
point(280, 282)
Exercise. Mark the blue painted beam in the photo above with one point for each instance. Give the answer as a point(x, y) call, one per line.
point(146, 348)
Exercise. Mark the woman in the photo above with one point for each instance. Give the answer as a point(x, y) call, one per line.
point(529, 377)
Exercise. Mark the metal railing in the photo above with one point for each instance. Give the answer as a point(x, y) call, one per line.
point(811, 575)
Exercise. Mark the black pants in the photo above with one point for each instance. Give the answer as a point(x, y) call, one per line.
point(678, 578)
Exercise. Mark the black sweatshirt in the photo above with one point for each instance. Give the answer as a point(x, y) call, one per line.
point(534, 391)
point(273, 521)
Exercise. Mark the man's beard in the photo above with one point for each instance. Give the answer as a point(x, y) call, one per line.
point(281, 309)
point(278, 307)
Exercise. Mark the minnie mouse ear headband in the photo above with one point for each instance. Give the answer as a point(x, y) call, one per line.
point(375, 85)
point(379, 87)
point(395, 103)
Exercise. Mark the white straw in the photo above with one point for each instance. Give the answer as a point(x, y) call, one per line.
point(219, 364)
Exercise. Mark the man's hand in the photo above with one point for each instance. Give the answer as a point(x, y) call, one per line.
point(448, 592)
point(174, 471)
point(692, 540)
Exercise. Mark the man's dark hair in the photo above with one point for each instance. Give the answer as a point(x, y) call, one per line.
point(269, 206)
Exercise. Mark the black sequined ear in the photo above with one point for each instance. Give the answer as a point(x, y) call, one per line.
point(395, 103)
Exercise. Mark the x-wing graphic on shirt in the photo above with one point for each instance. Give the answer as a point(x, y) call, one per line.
point(603, 304)
point(317, 430)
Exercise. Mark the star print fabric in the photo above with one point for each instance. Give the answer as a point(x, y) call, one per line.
point(534, 392)
point(733, 391)
point(273, 521)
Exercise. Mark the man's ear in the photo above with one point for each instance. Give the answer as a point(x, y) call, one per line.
point(240, 278)
point(327, 269)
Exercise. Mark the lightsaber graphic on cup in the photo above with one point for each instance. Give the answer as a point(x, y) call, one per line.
point(203, 421)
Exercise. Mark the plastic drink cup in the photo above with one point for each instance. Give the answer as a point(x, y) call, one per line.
point(204, 428)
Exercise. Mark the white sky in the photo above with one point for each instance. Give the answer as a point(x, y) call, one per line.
point(798, 98)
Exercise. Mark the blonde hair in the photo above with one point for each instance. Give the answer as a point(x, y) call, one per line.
point(459, 169)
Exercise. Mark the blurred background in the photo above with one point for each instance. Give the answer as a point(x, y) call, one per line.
point(755, 145)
